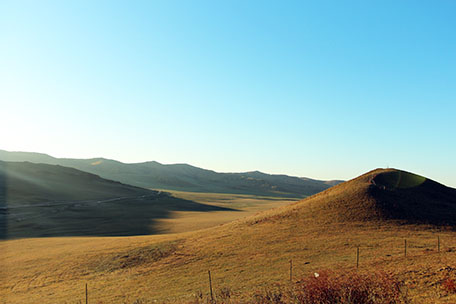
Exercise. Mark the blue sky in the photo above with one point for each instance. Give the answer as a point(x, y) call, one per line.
point(323, 89)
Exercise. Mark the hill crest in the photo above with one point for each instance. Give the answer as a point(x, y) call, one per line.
point(377, 196)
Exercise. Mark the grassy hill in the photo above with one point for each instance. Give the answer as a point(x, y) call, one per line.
point(51, 200)
point(30, 182)
point(183, 177)
point(374, 213)
point(382, 195)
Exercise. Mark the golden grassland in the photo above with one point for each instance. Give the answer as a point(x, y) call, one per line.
point(246, 205)
point(244, 256)
point(123, 270)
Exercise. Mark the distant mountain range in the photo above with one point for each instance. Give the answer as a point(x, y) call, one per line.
point(182, 177)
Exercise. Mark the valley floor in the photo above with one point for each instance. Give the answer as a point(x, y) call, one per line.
point(173, 268)
point(245, 205)
point(246, 256)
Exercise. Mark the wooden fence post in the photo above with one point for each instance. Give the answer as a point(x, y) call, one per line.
point(357, 257)
point(87, 299)
point(291, 270)
point(438, 243)
point(210, 286)
point(405, 247)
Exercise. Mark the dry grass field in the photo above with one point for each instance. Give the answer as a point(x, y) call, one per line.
point(245, 205)
point(245, 257)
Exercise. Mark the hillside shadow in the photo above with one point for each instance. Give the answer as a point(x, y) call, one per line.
point(414, 199)
point(3, 210)
point(121, 217)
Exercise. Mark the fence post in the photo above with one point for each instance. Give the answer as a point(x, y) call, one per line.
point(438, 243)
point(87, 299)
point(405, 247)
point(210, 286)
point(291, 270)
point(357, 257)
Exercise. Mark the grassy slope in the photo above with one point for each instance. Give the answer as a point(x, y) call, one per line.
point(48, 200)
point(244, 205)
point(183, 177)
point(317, 233)
point(29, 182)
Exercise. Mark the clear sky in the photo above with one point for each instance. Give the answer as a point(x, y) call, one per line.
point(323, 89)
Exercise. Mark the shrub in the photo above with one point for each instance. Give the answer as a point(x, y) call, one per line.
point(329, 287)
point(221, 296)
point(224, 294)
point(274, 295)
point(449, 285)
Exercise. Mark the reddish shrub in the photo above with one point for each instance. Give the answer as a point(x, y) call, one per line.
point(351, 287)
point(328, 287)
point(322, 289)
point(449, 285)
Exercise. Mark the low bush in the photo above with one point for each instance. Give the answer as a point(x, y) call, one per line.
point(449, 285)
point(275, 294)
point(329, 287)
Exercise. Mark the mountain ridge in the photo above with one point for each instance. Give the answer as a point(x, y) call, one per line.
point(183, 177)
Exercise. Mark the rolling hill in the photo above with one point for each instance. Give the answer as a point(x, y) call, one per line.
point(51, 200)
point(29, 182)
point(183, 177)
point(380, 195)
point(372, 214)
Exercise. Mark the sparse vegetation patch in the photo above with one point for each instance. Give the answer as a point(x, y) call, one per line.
point(133, 257)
